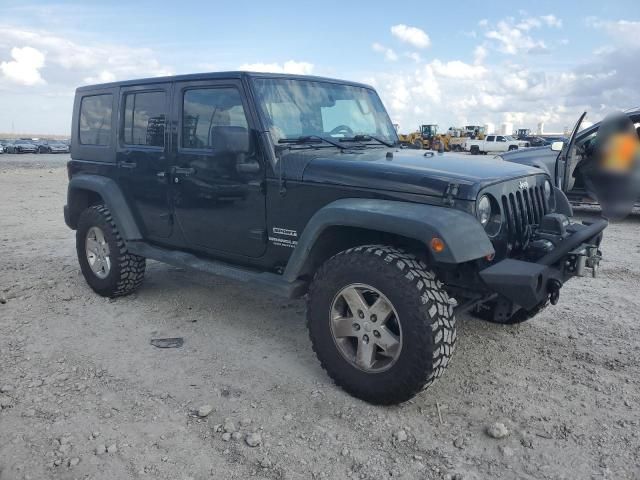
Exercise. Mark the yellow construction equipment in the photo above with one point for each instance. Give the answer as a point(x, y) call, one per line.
point(456, 137)
point(425, 137)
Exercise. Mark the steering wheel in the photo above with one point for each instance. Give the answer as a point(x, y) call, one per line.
point(342, 129)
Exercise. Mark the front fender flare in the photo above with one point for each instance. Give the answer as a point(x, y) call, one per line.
point(113, 198)
point(464, 237)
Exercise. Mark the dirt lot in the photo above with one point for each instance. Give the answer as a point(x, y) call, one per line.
point(78, 375)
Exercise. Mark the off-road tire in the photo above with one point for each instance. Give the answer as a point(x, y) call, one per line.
point(423, 308)
point(486, 312)
point(127, 269)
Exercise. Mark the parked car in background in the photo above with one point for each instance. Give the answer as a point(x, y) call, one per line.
point(536, 141)
point(22, 146)
point(52, 146)
point(5, 145)
point(545, 158)
point(494, 143)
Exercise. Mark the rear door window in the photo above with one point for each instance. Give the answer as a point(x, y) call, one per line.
point(95, 119)
point(144, 119)
point(491, 138)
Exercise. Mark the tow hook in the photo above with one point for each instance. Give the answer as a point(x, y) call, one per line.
point(553, 287)
point(586, 256)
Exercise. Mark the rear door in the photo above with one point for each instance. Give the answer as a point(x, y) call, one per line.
point(141, 155)
point(501, 144)
point(218, 173)
point(489, 143)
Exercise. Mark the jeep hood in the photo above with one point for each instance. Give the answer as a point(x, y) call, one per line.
point(408, 171)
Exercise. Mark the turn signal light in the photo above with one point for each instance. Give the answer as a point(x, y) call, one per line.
point(437, 244)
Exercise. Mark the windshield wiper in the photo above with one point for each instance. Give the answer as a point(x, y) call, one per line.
point(366, 138)
point(312, 139)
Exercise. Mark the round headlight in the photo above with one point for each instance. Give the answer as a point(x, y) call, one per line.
point(547, 189)
point(484, 210)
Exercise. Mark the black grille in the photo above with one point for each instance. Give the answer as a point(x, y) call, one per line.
point(522, 209)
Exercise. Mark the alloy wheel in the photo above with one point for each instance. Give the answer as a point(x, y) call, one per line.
point(98, 254)
point(366, 328)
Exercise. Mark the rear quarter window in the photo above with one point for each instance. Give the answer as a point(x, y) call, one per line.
point(95, 119)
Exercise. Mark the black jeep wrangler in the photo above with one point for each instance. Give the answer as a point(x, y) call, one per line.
point(298, 185)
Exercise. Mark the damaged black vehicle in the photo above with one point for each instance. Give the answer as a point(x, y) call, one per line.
point(298, 186)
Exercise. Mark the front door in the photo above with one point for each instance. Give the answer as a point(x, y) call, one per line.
point(566, 161)
point(142, 156)
point(218, 174)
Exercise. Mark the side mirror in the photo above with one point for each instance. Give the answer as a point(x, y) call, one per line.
point(557, 146)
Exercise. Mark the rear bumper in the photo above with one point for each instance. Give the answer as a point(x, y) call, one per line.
point(527, 284)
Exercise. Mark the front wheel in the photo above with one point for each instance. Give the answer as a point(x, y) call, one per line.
point(380, 323)
point(107, 266)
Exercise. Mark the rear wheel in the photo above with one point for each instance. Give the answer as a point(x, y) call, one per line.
point(107, 266)
point(380, 323)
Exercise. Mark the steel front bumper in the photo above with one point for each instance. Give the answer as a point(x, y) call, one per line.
point(528, 284)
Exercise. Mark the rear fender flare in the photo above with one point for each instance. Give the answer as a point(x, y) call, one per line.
point(464, 237)
point(113, 198)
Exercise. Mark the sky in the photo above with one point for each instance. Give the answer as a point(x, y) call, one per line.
point(453, 64)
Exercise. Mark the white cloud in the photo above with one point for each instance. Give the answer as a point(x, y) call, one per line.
point(412, 35)
point(67, 61)
point(104, 76)
point(623, 32)
point(479, 54)
point(290, 66)
point(458, 69)
point(511, 36)
point(511, 40)
point(551, 20)
point(389, 54)
point(25, 67)
point(415, 56)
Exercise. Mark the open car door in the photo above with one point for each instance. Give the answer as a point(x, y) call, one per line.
point(567, 160)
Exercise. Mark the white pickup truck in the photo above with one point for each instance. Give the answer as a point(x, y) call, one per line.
point(494, 143)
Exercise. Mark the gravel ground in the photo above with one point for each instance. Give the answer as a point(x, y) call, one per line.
point(84, 395)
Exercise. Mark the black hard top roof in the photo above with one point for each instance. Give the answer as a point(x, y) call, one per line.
point(217, 76)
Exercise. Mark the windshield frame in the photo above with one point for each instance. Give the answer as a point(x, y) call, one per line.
point(264, 122)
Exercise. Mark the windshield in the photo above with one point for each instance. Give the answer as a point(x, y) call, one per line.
point(509, 138)
point(302, 108)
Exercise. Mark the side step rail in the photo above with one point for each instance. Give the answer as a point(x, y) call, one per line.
point(268, 281)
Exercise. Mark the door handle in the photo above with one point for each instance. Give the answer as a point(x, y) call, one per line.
point(128, 164)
